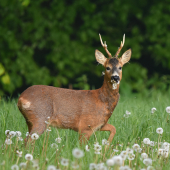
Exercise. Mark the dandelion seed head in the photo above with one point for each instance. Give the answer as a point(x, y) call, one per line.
point(150, 168)
point(15, 167)
point(12, 134)
point(126, 167)
point(166, 145)
point(97, 147)
point(153, 110)
point(19, 153)
point(110, 162)
point(64, 162)
point(146, 141)
point(101, 166)
point(54, 145)
point(58, 140)
point(118, 160)
point(160, 152)
point(147, 161)
point(105, 142)
point(74, 165)
point(131, 156)
point(51, 167)
point(144, 155)
point(92, 166)
point(27, 134)
point(159, 130)
point(48, 129)
point(77, 153)
point(136, 147)
point(123, 154)
point(152, 143)
point(34, 136)
point(8, 141)
point(87, 148)
point(18, 133)
point(168, 109)
point(7, 132)
point(129, 150)
point(22, 165)
point(28, 157)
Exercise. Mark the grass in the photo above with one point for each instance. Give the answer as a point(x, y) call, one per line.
point(139, 125)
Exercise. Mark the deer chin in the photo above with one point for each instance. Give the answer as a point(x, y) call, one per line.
point(114, 84)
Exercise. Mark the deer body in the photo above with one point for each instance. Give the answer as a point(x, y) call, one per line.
point(84, 111)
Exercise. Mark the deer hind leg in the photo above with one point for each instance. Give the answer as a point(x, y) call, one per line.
point(35, 125)
point(111, 128)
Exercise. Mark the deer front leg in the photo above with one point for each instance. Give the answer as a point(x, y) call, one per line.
point(111, 128)
point(84, 136)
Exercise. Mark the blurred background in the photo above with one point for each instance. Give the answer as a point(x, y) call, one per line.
point(52, 42)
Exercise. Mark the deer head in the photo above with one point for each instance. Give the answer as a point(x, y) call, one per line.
point(113, 65)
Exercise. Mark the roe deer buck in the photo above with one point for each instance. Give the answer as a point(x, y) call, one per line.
point(84, 111)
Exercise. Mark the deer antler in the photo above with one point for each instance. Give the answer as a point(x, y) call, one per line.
point(105, 47)
point(121, 45)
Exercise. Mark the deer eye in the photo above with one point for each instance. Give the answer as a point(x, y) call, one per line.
point(107, 68)
point(120, 68)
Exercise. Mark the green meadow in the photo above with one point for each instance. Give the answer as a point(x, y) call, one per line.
point(131, 129)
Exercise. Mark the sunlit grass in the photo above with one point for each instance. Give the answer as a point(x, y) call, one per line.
point(131, 129)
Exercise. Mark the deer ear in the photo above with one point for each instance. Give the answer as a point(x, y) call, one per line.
point(100, 57)
point(126, 56)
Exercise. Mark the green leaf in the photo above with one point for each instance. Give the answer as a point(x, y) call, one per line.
point(2, 69)
point(5, 79)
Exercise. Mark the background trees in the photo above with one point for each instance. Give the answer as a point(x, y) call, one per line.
point(53, 43)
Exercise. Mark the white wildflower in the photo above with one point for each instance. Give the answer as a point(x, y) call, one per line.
point(18, 133)
point(58, 140)
point(64, 162)
point(153, 110)
point(160, 152)
point(87, 148)
point(136, 147)
point(51, 167)
point(101, 166)
point(28, 157)
point(12, 134)
point(19, 153)
point(92, 166)
point(159, 130)
point(150, 168)
point(8, 141)
point(22, 165)
point(97, 147)
point(126, 167)
point(54, 145)
point(15, 167)
point(128, 150)
point(166, 145)
point(77, 153)
point(74, 165)
point(123, 154)
point(131, 156)
point(46, 122)
point(27, 134)
point(168, 109)
point(118, 160)
point(144, 155)
point(115, 150)
point(127, 114)
point(34, 136)
point(7, 132)
point(48, 129)
point(165, 154)
point(146, 141)
point(110, 162)
point(105, 142)
point(152, 143)
point(147, 161)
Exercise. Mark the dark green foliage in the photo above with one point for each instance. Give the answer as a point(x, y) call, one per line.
point(53, 43)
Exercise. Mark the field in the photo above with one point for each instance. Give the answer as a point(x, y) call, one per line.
point(130, 129)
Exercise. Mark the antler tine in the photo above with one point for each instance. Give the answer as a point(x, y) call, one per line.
point(105, 46)
point(121, 46)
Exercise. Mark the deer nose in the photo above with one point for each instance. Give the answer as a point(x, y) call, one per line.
point(115, 78)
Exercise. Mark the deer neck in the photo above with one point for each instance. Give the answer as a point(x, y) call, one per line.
point(108, 95)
